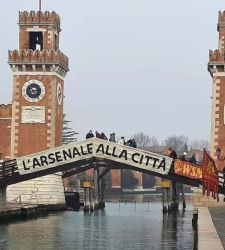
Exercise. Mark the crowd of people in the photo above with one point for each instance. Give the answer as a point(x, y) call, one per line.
point(112, 137)
point(172, 153)
point(132, 143)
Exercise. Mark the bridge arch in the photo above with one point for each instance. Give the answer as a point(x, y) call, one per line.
point(91, 153)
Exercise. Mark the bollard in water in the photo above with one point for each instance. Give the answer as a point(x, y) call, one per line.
point(195, 218)
point(91, 199)
point(2, 197)
point(195, 228)
point(87, 196)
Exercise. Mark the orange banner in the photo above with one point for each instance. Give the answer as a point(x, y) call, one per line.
point(187, 169)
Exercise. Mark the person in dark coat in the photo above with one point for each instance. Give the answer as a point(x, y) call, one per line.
point(89, 135)
point(193, 159)
point(112, 137)
point(134, 144)
point(103, 136)
point(172, 153)
point(97, 135)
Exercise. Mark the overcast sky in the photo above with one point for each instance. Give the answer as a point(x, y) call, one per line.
point(135, 65)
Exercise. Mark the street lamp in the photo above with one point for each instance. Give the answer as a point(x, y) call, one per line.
point(1, 156)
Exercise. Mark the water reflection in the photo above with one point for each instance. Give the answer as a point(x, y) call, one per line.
point(4, 238)
point(177, 231)
point(123, 226)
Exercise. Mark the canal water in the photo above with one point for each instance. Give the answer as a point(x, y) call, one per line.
point(121, 225)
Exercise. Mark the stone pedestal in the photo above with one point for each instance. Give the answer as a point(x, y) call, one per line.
point(47, 190)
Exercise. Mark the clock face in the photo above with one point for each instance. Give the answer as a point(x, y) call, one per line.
point(59, 94)
point(33, 90)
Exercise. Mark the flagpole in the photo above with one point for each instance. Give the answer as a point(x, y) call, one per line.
point(40, 5)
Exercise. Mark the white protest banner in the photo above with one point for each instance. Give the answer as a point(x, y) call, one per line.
point(98, 148)
point(55, 157)
point(132, 156)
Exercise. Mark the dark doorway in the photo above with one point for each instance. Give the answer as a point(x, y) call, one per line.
point(36, 40)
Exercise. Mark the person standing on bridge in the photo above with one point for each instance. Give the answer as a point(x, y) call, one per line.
point(133, 143)
point(97, 135)
point(103, 136)
point(172, 153)
point(122, 141)
point(89, 134)
point(112, 137)
point(184, 157)
point(193, 159)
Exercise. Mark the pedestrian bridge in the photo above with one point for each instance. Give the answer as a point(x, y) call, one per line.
point(94, 153)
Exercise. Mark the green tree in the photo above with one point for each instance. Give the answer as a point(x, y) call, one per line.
point(68, 133)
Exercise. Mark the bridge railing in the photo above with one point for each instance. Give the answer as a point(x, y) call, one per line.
point(8, 169)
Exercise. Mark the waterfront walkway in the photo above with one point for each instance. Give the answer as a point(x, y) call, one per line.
point(211, 228)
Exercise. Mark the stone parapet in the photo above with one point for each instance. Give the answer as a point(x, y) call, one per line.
point(38, 57)
point(216, 56)
point(200, 200)
point(43, 190)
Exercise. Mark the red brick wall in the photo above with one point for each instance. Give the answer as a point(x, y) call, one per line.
point(139, 177)
point(5, 130)
point(220, 142)
point(36, 137)
point(116, 178)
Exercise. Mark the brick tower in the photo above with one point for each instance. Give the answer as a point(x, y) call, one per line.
point(216, 68)
point(38, 68)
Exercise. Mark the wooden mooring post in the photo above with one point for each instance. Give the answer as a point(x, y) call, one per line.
point(165, 186)
point(170, 196)
point(102, 186)
point(96, 188)
point(88, 196)
point(2, 197)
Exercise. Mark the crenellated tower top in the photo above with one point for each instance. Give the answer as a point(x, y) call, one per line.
point(39, 36)
point(221, 30)
point(39, 18)
point(221, 18)
point(217, 57)
point(39, 30)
